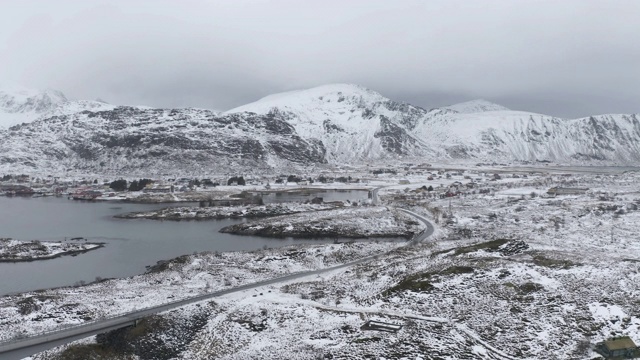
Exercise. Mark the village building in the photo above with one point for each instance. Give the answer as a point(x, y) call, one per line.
point(618, 348)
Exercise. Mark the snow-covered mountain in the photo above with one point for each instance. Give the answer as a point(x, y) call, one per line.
point(22, 105)
point(19, 105)
point(333, 124)
point(516, 135)
point(138, 140)
point(353, 123)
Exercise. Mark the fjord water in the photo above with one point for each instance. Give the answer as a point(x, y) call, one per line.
point(130, 245)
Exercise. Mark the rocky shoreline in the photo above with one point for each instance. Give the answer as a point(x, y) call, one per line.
point(26, 251)
point(352, 222)
point(183, 197)
point(229, 212)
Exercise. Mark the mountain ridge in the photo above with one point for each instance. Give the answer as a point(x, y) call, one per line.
point(331, 124)
point(477, 105)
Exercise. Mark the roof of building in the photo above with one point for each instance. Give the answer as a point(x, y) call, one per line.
point(568, 188)
point(620, 343)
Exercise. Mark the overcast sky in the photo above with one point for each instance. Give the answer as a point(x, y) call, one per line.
point(567, 58)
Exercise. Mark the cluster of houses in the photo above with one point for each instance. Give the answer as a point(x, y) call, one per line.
point(90, 189)
point(472, 182)
point(465, 182)
point(24, 185)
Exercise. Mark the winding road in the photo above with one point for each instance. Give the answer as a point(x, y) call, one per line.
point(24, 347)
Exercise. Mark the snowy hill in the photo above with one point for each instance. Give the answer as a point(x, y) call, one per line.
point(22, 105)
point(517, 135)
point(353, 123)
point(147, 141)
point(488, 135)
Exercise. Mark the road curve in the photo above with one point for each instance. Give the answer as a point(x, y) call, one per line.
point(21, 348)
point(426, 232)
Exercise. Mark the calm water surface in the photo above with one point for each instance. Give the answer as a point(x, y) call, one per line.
point(130, 245)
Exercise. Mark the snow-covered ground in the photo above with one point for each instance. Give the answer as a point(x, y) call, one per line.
point(183, 277)
point(18, 250)
point(513, 285)
point(510, 273)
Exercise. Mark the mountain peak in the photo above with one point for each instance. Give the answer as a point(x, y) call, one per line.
point(24, 100)
point(22, 105)
point(324, 94)
point(476, 106)
point(346, 89)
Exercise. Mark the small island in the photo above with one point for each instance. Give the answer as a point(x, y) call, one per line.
point(12, 250)
point(349, 222)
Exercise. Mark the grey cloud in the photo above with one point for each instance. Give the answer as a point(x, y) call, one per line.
point(570, 58)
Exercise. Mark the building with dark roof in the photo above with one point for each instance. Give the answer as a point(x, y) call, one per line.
point(618, 348)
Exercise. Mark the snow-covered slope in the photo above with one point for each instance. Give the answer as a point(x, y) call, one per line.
point(76, 106)
point(353, 123)
point(517, 135)
point(476, 106)
point(148, 141)
point(18, 105)
point(22, 105)
point(357, 124)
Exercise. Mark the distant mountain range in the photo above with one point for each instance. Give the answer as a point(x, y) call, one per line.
point(331, 124)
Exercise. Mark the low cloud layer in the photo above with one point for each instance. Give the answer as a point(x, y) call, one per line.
point(570, 58)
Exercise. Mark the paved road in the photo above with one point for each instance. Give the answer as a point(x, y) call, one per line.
point(426, 233)
point(22, 348)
